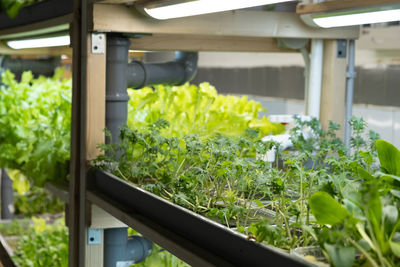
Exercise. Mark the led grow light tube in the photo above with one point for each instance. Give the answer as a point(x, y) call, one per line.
point(354, 16)
point(177, 9)
point(39, 42)
point(357, 19)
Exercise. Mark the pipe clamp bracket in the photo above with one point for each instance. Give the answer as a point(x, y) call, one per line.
point(118, 98)
point(351, 74)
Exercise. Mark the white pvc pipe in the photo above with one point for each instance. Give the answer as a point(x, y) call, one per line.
point(351, 75)
point(313, 101)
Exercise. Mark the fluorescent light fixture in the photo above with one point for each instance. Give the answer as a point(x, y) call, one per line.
point(358, 19)
point(351, 17)
point(40, 42)
point(181, 8)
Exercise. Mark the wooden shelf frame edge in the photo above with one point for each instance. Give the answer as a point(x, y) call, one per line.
point(233, 24)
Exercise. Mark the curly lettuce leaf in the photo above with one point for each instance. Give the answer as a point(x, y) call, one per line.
point(192, 109)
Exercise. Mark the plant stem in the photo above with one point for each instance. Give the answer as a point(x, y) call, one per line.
point(366, 254)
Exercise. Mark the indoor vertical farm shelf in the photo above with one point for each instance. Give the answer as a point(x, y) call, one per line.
point(98, 200)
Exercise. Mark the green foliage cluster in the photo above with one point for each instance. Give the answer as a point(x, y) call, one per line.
point(213, 177)
point(15, 227)
point(365, 221)
point(35, 119)
point(45, 244)
point(284, 204)
point(200, 110)
point(37, 201)
point(222, 177)
point(203, 151)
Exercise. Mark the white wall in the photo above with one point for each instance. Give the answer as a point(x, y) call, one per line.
point(248, 60)
point(364, 58)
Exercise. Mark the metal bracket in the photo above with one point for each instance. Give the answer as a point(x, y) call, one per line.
point(94, 236)
point(351, 74)
point(341, 48)
point(98, 43)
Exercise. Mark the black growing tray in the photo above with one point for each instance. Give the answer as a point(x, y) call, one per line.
point(225, 245)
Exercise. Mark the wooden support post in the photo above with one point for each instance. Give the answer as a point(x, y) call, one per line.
point(95, 253)
point(89, 100)
point(95, 124)
point(88, 122)
point(333, 87)
point(95, 100)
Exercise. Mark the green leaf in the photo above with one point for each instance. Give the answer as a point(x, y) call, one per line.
point(13, 10)
point(309, 230)
point(259, 203)
point(364, 174)
point(390, 213)
point(352, 207)
point(389, 157)
point(364, 235)
point(326, 209)
point(26, 77)
point(395, 247)
point(20, 182)
point(374, 205)
point(395, 193)
point(340, 256)
point(390, 177)
point(241, 229)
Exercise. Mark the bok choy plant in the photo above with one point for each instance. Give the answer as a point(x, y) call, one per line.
point(364, 226)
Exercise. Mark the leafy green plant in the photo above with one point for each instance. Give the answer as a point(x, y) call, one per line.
point(21, 183)
point(219, 177)
point(37, 201)
point(319, 162)
point(15, 227)
point(367, 220)
point(35, 119)
point(30, 200)
point(200, 110)
point(222, 178)
point(214, 177)
point(45, 245)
